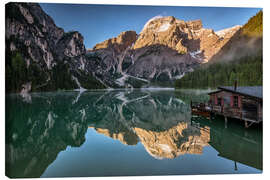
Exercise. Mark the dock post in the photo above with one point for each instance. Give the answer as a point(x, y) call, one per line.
point(235, 166)
point(246, 134)
point(246, 124)
point(226, 120)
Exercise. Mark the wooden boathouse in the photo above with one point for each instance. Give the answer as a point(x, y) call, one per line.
point(243, 103)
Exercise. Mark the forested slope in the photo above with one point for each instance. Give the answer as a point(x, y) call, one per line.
point(240, 59)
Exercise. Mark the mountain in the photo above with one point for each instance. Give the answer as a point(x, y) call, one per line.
point(164, 51)
point(239, 59)
point(40, 55)
point(185, 37)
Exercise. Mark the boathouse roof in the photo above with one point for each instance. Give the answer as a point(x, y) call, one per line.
point(254, 91)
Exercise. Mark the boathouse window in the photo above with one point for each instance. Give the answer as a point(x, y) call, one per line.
point(235, 101)
point(219, 101)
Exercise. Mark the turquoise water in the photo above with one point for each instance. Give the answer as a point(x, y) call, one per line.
point(117, 133)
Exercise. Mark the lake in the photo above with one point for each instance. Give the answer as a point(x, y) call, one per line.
point(123, 133)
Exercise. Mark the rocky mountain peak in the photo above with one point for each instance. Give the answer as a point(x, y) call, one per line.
point(71, 45)
point(167, 31)
point(195, 24)
point(121, 42)
point(173, 33)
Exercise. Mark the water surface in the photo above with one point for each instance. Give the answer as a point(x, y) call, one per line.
point(116, 133)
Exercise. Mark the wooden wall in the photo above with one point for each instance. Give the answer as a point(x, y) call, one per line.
point(249, 107)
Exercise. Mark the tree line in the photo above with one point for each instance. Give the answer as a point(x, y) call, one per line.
point(246, 71)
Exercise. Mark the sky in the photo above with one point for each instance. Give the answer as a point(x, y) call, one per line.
point(100, 22)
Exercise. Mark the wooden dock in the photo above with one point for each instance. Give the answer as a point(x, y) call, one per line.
point(209, 110)
point(243, 103)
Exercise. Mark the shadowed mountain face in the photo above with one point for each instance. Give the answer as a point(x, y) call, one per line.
point(40, 126)
point(42, 55)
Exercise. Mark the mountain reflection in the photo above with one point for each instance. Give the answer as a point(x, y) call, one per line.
point(37, 130)
point(161, 122)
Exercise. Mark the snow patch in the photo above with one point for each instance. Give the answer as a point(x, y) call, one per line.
point(82, 111)
point(121, 96)
point(170, 101)
point(121, 81)
point(145, 80)
point(165, 148)
point(194, 53)
point(82, 64)
point(153, 155)
point(157, 89)
point(152, 19)
point(50, 121)
point(179, 101)
point(164, 27)
point(132, 45)
point(81, 89)
point(223, 32)
point(78, 97)
point(179, 76)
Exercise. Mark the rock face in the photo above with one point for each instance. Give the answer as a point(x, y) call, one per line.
point(42, 49)
point(165, 50)
point(107, 60)
point(26, 88)
point(120, 43)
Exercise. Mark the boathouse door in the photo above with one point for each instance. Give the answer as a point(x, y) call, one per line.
point(250, 110)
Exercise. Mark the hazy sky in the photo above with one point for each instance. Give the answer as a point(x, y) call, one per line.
point(99, 22)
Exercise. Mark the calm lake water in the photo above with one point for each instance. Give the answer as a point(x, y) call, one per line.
point(117, 133)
